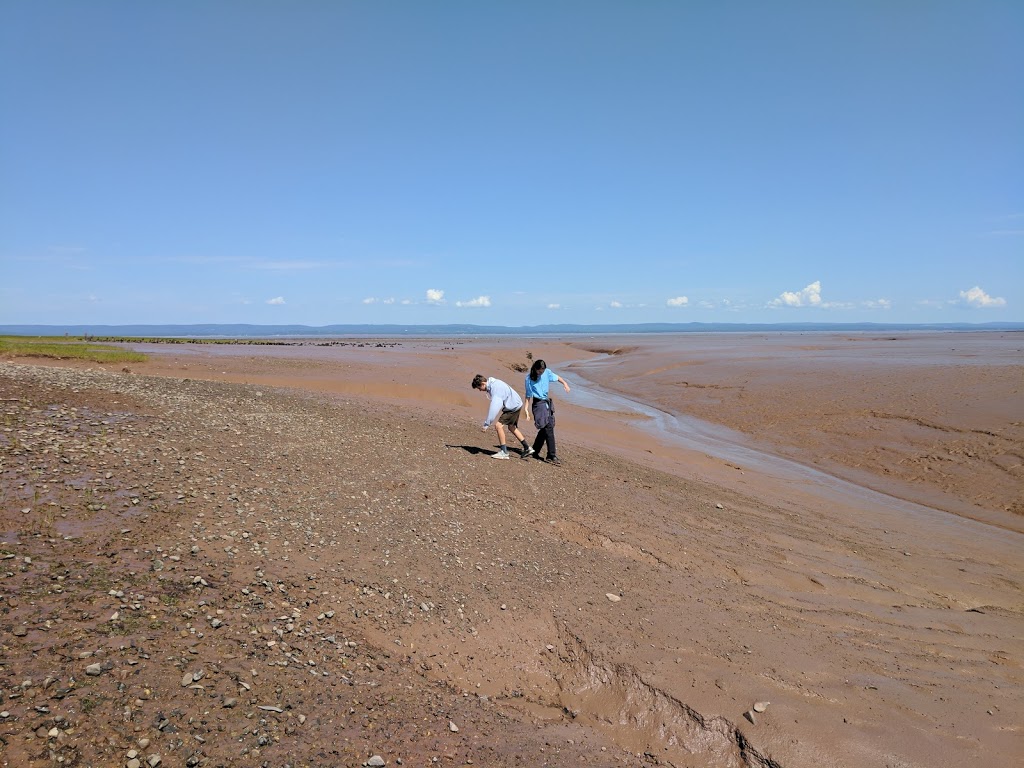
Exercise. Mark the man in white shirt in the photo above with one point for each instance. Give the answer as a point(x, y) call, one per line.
point(506, 405)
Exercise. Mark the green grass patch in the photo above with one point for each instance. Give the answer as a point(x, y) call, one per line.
point(67, 349)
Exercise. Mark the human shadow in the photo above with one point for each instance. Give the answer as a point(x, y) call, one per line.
point(475, 450)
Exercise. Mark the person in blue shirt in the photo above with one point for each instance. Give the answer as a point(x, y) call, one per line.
point(506, 405)
point(542, 408)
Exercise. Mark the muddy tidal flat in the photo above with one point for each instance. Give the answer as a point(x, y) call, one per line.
point(787, 550)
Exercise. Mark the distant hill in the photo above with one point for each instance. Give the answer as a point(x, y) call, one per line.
point(217, 330)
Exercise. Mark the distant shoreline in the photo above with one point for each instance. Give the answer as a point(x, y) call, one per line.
point(227, 332)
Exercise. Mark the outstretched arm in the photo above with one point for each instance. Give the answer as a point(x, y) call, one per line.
point(492, 412)
point(563, 382)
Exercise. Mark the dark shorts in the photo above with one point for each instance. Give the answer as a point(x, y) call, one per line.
point(510, 418)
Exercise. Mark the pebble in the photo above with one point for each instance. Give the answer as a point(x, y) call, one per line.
point(761, 706)
point(376, 762)
point(94, 670)
point(453, 727)
point(613, 597)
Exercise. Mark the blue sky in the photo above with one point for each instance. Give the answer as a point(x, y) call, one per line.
point(513, 164)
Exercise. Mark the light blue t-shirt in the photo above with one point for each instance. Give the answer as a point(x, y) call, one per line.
point(538, 390)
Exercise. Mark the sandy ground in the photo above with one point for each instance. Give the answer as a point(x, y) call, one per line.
point(629, 607)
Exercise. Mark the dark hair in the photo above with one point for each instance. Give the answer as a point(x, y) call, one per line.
point(538, 367)
point(478, 380)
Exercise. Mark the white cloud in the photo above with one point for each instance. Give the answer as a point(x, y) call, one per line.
point(878, 304)
point(808, 297)
point(389, 300)
point(406, 302)
point(369, 300)
point(977, 298)
point(616, 305)
point(678, 301)
point(276, 300)
point(434, 296)
point(479, 301)
point(554, 306)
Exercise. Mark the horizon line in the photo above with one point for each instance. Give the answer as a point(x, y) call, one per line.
point(292, 329)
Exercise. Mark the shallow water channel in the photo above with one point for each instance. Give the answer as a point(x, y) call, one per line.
point(691, 433)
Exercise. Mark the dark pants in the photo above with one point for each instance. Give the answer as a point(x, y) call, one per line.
point(544, 418)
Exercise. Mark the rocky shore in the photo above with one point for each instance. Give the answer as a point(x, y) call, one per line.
point(207, 574)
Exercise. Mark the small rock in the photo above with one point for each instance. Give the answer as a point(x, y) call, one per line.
point(613, 597)
point(761, 706)
point(186, 680)
point(453, 727)
point(94, 670)
point(719, 506)
point(376, 762)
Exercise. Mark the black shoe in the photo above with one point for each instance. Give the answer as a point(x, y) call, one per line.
point(527, 452)
point(554, 460)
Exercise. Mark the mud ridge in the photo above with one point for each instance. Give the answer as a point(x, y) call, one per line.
point(641, 717)
point(932, 425)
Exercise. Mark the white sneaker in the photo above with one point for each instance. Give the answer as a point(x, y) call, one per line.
point(500, 455)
